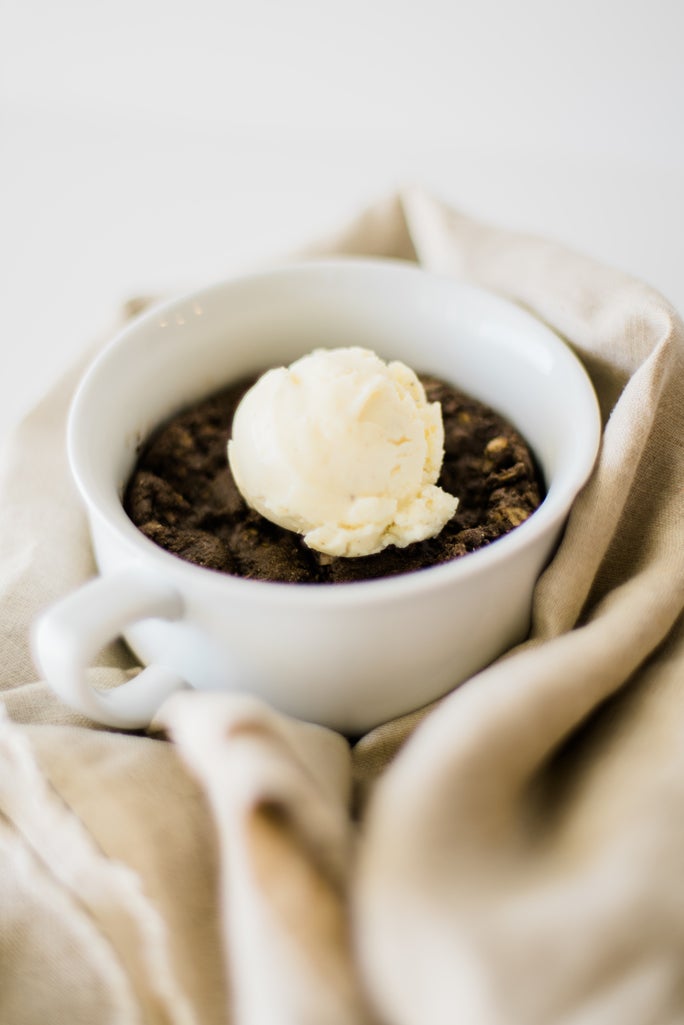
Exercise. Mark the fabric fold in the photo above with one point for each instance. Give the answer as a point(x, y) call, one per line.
point(511, 854)
point(279, 791)
point(612, 594)
point(105, 890)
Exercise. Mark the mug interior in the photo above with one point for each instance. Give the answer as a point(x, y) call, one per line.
point(182, 351)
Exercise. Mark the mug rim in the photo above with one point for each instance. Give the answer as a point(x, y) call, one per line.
point(547, 517)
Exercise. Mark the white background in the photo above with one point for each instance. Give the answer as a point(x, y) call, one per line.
point(155, 145)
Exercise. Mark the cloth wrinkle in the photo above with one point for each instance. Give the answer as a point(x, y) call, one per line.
point(509, 855)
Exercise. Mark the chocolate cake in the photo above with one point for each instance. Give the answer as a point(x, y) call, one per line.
point(182, 496)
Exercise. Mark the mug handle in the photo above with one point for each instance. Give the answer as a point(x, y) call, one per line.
point(69, 635)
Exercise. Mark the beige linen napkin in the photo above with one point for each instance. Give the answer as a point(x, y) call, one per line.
point(512, 856)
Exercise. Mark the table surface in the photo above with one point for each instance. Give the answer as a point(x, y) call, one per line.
point(149, 147)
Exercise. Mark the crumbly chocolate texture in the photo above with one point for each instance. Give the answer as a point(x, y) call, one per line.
point(182, 495)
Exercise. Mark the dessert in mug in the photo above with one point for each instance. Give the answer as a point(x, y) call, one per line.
point(347, 657)
point(344, 449)
point(341, 468)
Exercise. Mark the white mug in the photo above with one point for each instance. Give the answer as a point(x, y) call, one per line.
point(349, 655)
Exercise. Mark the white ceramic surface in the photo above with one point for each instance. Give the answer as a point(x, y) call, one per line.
point(348, 656)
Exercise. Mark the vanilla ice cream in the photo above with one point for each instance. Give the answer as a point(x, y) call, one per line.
point(344, 449)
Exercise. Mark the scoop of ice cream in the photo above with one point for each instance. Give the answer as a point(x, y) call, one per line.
point(345, 449)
